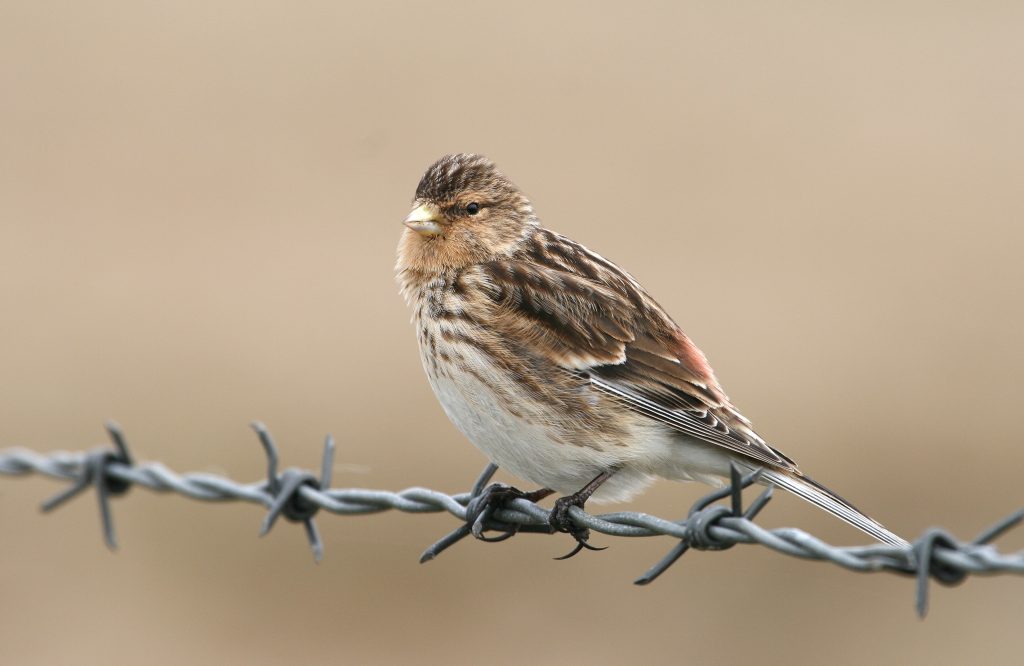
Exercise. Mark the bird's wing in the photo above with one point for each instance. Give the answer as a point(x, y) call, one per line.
point(624, 344)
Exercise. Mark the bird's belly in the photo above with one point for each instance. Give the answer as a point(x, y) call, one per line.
point(516, 436)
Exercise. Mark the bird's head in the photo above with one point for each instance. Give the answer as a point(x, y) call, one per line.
point(465, 211)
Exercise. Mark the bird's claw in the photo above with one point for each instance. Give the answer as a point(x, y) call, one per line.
point(561, 521)
point(480, 511)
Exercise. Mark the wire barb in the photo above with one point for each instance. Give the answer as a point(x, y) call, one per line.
point(704, 515)
point(284, 488)
point(298, 495)
point(94, 471)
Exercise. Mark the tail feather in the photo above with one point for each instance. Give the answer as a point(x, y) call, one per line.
point(820, 496)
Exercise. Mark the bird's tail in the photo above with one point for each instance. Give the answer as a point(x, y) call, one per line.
point(808, 489)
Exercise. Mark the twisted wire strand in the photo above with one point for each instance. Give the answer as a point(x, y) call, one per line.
point(299, 495)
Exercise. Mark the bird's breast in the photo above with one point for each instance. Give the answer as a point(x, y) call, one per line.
point(537, 421)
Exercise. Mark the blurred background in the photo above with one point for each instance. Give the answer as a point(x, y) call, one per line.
point(199, 207)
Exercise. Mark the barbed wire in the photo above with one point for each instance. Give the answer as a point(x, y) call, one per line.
point(299, 495)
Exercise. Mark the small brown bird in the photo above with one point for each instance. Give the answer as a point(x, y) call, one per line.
point(558, 365)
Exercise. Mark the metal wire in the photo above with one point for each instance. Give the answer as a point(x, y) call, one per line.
point(299, 495)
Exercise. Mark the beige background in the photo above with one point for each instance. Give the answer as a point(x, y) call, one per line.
point(199, 204)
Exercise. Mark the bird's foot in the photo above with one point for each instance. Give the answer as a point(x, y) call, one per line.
point(561, 521)
point(480, 510)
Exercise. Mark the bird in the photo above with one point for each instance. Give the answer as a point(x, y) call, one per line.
point(559, 366)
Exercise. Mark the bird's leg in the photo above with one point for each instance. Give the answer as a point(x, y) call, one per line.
point(562, 521)
point(494, 497)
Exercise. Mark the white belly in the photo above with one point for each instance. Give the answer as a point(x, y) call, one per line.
point(521, 445)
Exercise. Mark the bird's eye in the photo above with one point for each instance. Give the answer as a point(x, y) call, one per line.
point(473, 208)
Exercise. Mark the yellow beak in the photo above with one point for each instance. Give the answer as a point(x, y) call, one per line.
point(424, 220)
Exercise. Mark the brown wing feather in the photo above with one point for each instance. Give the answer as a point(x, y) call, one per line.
point(602, 325)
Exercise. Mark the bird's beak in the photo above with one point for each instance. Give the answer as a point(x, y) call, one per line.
point(424, 220)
